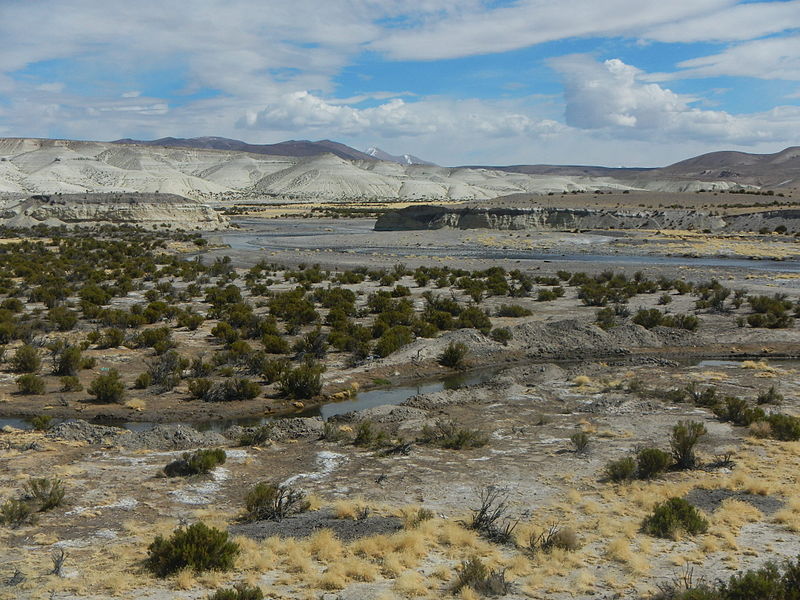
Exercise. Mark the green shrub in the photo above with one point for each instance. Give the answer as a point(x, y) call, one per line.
point(111, 338)
point(272, 502)
point(392, 340)
point(501, 334)
point(580, 441)
point(302, 382)
point(513, 310)
point(453, 355)
point(737, 411)
point(771, 396)
point(256, 435)
point(448, 434)
point(274, 344)
point(197, 547)
point(107, 388)
point(685, 436)
point(367, 435)
point(784, 427)
point(66, 359)
point(143, 381)
point(41, 422)
point(198, 462)
point(30, 384)
point(70, 383)
point(622, 469)
point(26, 359)
point(673, 517)
point(651, 462)
point(240, 591)
point(45, 493)
point(477, 576)
point(15, 513)
point(229, 390)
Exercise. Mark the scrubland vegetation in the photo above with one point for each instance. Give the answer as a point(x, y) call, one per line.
point(562, 481)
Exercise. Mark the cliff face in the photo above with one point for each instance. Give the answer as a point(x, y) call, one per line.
point(540, 218)
point(144, 210)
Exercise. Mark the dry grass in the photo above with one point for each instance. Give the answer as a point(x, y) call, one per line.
point(411, 583)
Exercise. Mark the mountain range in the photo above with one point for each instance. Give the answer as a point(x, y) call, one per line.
point(219, 168)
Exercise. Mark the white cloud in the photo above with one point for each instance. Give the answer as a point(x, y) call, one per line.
point(614, 98)
point(131, 94)
point(771, 58)
point(303, 111)
point(55, 87)
point(485, 30)
point(731, 23)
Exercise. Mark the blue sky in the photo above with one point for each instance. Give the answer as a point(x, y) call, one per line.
point(618, 82)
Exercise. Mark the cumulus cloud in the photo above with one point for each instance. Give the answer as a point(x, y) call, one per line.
point(613, 97)
point(307, 112)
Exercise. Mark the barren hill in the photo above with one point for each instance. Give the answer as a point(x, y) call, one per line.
point(44, 166)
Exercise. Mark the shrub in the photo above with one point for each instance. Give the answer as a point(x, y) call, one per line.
point(198, 547)
point(239, 592)
point(489, 519)
point(784, 427)
point(143, 381)
point(672, 517)
point(15, 512)
point(223, 391)
point(651, 462)
point(737, 411)
point(449, 435)
point(302, 382)
point(70, 383)
point(26, 359)
point(30, 384)
point(111, 338)
point(199, 388)
point(66, 359)
point(622, 469)
point(44, 492)
point(165, 371)
point(367, 435)
point(107, 387)
point(274, 344)
point(41, 422)
point(555, 536)
point(198, 462)
point(501, 334)
point(771, 396)
point(478, 577)
point(272, 502)
point(453, 355)
point(685, 436)
point(580, 440)
point(256, 435)
point(513, 310)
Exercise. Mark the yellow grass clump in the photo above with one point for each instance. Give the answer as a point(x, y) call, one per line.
point(411, 583)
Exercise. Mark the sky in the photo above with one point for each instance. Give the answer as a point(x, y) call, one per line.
point(606, 82)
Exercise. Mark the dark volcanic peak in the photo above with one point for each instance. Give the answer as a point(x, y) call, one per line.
point(288, 148)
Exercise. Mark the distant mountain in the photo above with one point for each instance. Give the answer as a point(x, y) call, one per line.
point(404, 159)
point(288, 148)
point(781, 169)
